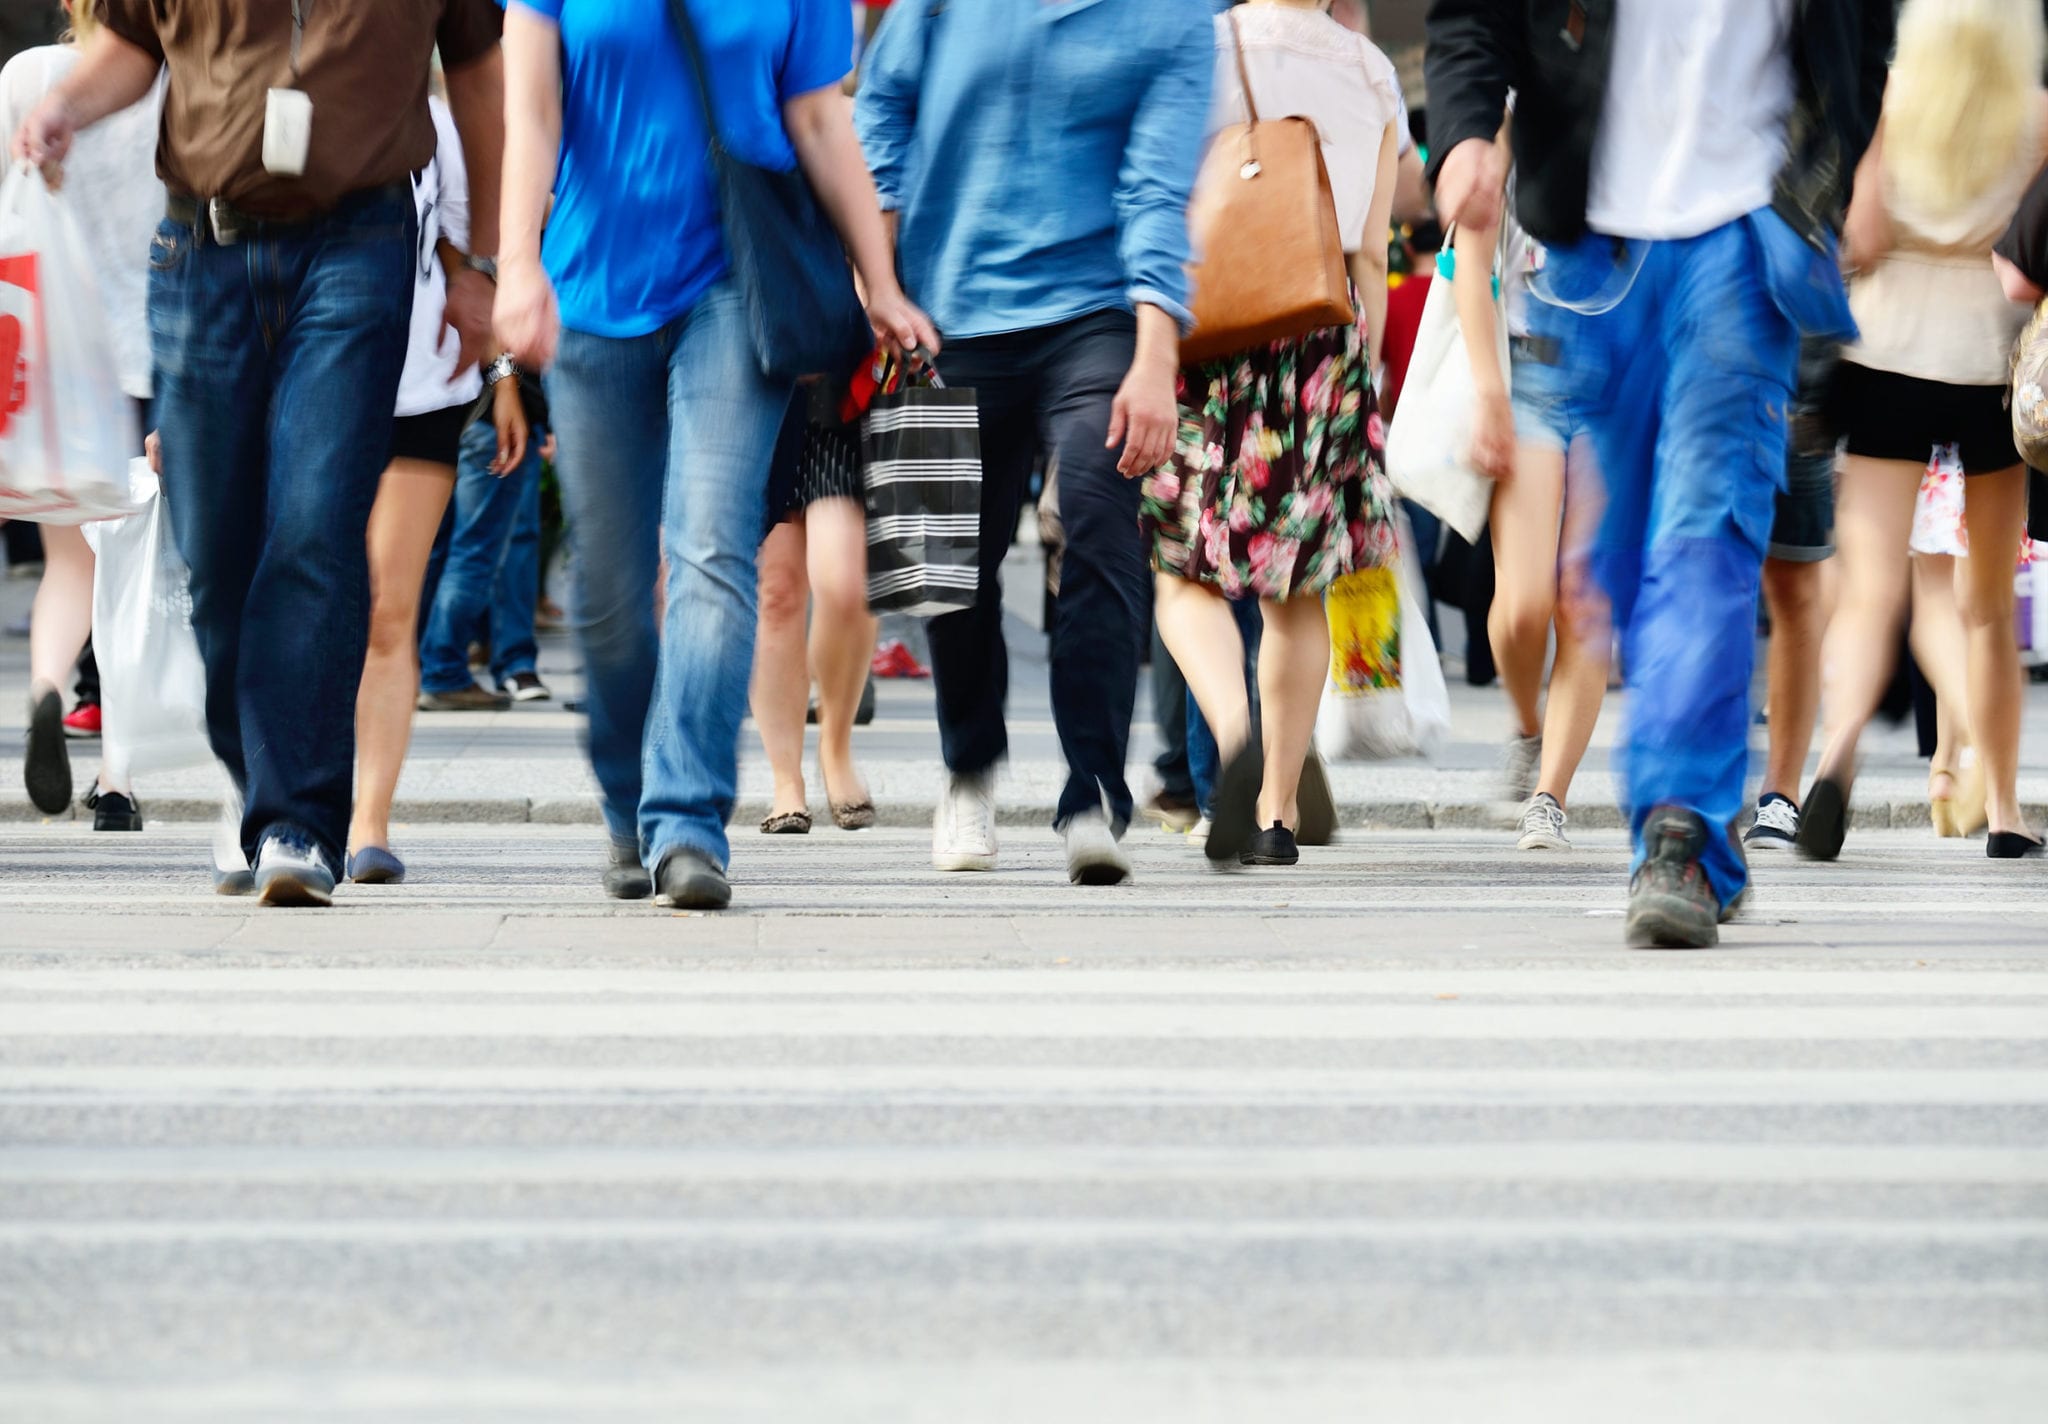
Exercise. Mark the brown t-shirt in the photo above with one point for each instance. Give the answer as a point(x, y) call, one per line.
point(364, 64)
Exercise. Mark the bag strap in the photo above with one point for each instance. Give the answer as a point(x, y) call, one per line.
point(1244, 77)
point(679, 10)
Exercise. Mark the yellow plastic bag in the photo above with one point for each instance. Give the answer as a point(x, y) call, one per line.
point(1364, 610)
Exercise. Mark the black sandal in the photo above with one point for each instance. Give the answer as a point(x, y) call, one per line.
point(788, 823)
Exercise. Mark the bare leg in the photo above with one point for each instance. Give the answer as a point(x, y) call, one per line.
point(782, 679)
point(1196, 625)
point(1873, 527)
point(842, 637)
point(1585, 639)
point(1792, 593)
point(411, 499)
point(1995, 508)
point(62, 617)
point(1525, 539)
point(1294, 664)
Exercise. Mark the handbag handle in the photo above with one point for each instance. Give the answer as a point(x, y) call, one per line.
point(679, 11)
point(1250, 166)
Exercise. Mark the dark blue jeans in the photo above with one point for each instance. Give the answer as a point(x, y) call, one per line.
point(277, 363)
point(1051, 390)
point(466, 604)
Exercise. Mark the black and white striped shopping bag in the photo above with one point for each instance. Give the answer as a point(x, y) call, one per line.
point(923, 450)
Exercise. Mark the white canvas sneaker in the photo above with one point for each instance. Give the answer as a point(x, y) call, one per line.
point(1542, 825)
point(1093, 855)
point(964, 828)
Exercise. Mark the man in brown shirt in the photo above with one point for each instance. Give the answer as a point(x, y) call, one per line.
point(279, 299)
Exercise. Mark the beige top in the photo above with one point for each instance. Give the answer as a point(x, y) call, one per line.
point(1304, 64)
point(1932, 307)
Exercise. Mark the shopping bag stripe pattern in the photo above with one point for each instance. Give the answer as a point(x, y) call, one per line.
point(923, 484)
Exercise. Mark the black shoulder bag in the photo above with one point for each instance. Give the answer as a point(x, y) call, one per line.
point(805, 315)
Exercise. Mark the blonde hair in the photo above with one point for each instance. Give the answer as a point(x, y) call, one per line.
point(85, 18)
point(1962, 98)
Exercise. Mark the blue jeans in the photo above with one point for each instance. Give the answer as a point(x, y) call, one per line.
point(664, 443)
point(516, 592)
point(1680, 362)
point(277, 364)
point(483, 516)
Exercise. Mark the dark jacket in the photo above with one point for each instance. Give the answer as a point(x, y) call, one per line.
point(1556, 53)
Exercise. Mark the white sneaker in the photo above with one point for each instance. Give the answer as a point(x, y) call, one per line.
point(1093, 855)
point(231, 873)
point(964, 828)
point(1543, 825)
point(1520, 765)
point(1777, 824)
point(1199, 831)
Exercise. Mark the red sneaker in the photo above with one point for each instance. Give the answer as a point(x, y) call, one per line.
point(83, 720)
point(892, 659)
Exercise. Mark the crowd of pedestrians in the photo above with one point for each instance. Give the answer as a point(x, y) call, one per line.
point(1732, 279)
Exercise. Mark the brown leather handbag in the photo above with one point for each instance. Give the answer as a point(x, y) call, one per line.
point(1264, 224)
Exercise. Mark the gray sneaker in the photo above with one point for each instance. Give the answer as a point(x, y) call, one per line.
point(1543, 824)
point(1520, 765)
point(293, 872)
point(1093, 855)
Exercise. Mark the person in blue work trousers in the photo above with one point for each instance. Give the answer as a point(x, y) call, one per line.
point(1038, 160)
point(1687, 167)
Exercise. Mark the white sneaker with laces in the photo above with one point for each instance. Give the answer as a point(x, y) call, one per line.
point(964, 828)
point(1777, 824)
point(1543, 824)
point(1093, 855)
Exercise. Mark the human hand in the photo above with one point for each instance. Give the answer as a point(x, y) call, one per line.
point(524, 316)
point(153, 450)
point(467, 311)
point(1145, 417)
point(44, 137)
point(1470, 184)
point(900, 323)
point(1493, 435)
point(547, 446)
point(508, 413)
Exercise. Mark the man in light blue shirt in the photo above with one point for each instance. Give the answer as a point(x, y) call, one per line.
point(1038, 158)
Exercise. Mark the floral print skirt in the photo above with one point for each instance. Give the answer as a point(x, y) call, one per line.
point(1277, 487)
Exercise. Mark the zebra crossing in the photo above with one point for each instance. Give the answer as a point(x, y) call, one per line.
point(1403, 1136)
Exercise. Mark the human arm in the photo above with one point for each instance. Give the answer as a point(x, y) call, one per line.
point(1472, 60)
point(1867, 230)
point(1145, 416)
point(2020, 256)
point(2019, 287)
point(1369, 264)
point(1473, 251)
point(524, 315)
point(111, 74)
point(820, 129)
point(508, 414)
point(885, 108)
point(1411, 192)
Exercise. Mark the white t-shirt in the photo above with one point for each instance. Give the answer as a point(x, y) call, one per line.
point(111, 186)
point(1692, 133)
point(1304, 64)
point(441, 193)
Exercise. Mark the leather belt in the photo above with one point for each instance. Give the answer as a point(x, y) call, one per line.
point(229, 225)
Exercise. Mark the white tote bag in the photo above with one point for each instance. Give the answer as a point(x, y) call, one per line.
point(1429, 445)
point(152, 682)
point(66, 431)
point(1411, 719)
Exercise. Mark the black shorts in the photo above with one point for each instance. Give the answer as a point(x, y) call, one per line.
point(435, 436)
point(1885, 416)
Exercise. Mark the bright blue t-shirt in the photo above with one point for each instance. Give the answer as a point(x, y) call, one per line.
point(634, 238)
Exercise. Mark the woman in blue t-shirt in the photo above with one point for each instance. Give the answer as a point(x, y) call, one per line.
point(664, 422)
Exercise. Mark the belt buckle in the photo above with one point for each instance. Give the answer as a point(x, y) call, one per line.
point(220, 218)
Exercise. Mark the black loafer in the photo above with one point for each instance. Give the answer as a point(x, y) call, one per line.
point(1824, 820)
point(1272, 847)
point(1232, 819)
point(688, 880)
point(111, 811)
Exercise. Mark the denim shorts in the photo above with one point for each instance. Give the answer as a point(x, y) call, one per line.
point(1803, 518)
point(1536, 390)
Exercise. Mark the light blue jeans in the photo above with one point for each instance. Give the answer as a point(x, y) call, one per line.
point(663, 444)
point(468, 592)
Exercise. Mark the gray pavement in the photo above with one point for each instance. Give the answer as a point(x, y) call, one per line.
point(1400, 1134)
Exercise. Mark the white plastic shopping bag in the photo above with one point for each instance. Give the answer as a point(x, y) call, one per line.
point(66, 430)
point(1386, 696)
point(1429, 443)
point(152, 682)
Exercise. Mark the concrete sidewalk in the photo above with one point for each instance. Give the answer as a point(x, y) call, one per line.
point(526, 765)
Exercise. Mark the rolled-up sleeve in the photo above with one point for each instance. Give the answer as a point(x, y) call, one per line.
point(1158, 173)
point(885, 107)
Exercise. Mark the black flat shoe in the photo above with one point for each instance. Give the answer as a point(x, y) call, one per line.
point(46, 766)
point(1272, 847)
point(1233, 818)
point(2010, 845)
point(1824, 820)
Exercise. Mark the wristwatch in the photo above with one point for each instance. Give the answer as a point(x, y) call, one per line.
point(499, 369)
point(486, 265)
